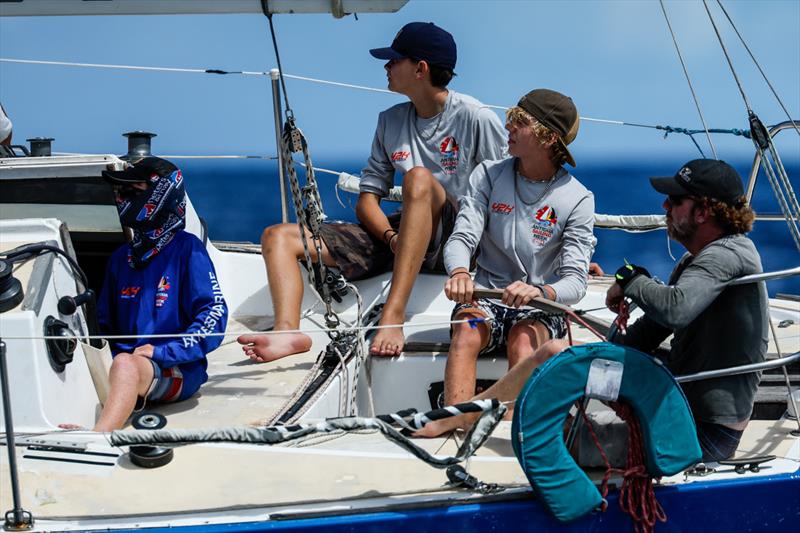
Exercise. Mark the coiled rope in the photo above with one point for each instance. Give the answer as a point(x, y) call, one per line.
point(636, 495)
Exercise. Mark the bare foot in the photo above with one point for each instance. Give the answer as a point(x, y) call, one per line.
point(388, 342)
point(266, 348)
point(446, 425)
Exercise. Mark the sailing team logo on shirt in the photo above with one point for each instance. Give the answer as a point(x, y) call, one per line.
point(129, 293)
point(400, 155)
point(162, 292)
point(544, 224)
point(449, 155)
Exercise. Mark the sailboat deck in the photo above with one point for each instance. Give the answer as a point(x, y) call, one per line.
point(334, 471)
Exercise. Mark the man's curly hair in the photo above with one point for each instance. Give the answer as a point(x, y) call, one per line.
point(737, 218)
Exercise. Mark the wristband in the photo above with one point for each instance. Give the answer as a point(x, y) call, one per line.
point(385, 240)
point(543, 291)
point(627, 272)
point(459, 272)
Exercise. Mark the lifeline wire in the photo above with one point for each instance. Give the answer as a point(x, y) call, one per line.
point(471, 321)
point(689, 81)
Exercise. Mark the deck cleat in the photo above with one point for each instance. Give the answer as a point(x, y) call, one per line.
point(698, 470)
point(753, 464)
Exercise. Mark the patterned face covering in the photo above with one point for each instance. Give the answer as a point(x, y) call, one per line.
point(156, 213)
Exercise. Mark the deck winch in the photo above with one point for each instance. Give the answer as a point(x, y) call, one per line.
point(11, 293)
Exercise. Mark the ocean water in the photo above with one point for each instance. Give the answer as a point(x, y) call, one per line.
point(239, 198)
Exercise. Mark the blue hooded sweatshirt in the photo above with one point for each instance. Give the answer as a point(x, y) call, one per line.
point(177, 292)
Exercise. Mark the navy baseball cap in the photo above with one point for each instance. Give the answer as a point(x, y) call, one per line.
point(423, 41)
point(703, 178)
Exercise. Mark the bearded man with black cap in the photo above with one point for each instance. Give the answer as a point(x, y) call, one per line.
point(714, 324)
point(434, 141)
point(161, 282)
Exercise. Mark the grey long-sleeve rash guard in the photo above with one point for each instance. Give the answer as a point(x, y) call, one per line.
point(537, 232)
point(450, 144)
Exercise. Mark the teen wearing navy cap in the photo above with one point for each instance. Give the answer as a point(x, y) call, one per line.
point(434, 140)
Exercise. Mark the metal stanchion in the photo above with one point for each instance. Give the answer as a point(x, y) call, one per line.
point(274, 75)
point(17, 519)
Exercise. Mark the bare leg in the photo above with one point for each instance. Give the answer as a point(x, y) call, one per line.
point(130, 376)
point(423, 199)
point(506, 389)
point(282, 247)
point(524, 339)
point(466, 343)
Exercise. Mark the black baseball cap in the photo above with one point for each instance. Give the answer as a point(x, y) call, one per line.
point(555, 111)
point(143, 170)
point(423, 41)
point(708, 178)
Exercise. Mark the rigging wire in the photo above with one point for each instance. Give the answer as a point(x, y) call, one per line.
point(307, 202)
point(727, 58)
point(758, 66)
point(689, 81)
point(289, 112)
point(666, 129)
point(774, 169)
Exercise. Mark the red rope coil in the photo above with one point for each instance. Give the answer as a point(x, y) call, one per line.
point(636, 495)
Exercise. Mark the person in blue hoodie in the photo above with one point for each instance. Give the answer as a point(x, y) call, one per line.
point(161, 282)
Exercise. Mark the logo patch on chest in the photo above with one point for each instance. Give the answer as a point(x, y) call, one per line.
point(449, 155)
point(544, 224)
point(162, 292)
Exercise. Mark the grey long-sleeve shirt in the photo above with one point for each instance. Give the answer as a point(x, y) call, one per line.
point(450, 144)
point(537, 232)
point(715, 325)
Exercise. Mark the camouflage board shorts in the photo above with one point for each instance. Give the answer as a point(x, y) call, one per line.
point(359, 255)
point(503, 318)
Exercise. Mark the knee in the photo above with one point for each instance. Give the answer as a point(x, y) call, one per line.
point(124, 364)
point(551, 348)
point(418, 184)
point(280, 237)
point(521, 342)
point(465, 339)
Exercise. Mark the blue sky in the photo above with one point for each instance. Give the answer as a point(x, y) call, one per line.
point(615, 58)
